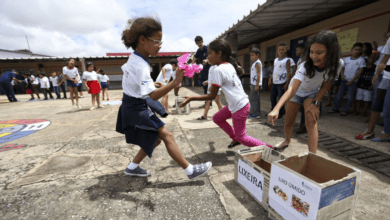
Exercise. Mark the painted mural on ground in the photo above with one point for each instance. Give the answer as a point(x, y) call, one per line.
point(14, 129)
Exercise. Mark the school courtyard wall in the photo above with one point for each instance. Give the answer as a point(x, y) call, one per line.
point(372, 22)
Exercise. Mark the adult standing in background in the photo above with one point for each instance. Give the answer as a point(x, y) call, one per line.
point(5, 81)
point(201, 56)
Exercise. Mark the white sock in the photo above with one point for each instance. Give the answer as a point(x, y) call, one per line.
point(189, 170)
point(132, 166)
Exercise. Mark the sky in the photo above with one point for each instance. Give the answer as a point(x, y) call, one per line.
point(94, 27)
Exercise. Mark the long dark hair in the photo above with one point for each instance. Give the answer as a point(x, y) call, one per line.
point(329, 40)
point(224, 47)
point(369, 49)
point(145, 26)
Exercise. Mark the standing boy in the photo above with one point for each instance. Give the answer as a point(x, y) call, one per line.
point(45, 85)
point(279, 76)
point(353, 68)
point(201, 56)
point(54, 82)
point(256, 76)
point(61, 83)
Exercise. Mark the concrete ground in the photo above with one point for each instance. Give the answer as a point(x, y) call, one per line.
point(73, 169)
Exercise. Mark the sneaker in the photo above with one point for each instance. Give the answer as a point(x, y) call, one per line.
point(81, 96)
point(200, 170)
point(92, 108)
point(378, 139)
point(137, 172)
point(46, 99)
point(32, 99)
point(79, 106)
point(343, 114)
point(333, 112)
point(211, 107)
point(74, 106)
point(365, 136)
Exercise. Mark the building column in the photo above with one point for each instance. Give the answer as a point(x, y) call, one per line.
point(82, 61)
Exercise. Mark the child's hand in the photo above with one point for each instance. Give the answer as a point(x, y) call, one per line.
point(374, 79)
point(342, 77)
point(205, 83)
point(188, 99)
point(158, 84)
point(256, 88)
point(370, 88)
point(87, 88)
point(179, 75)
point(349, 83)
point(272, 116)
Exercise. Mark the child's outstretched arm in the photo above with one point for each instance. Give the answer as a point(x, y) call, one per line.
point(158, 93)
point(211, 96)
point(273, 115)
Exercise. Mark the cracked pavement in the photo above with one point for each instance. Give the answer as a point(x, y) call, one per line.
point(73, 169)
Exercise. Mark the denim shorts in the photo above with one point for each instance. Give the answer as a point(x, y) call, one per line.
point(70, 83)
point(104, 85)
point(300, 100)
point(377, 104)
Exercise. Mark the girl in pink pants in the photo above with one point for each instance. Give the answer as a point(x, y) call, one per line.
point(225, 77)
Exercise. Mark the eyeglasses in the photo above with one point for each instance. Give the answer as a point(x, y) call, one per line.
point(158, 42)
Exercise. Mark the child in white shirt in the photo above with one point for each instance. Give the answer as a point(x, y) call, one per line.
point(54, 81)
point(91, 83)
point(45, 85)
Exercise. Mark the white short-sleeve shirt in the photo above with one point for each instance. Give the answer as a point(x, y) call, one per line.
point(45, 84)
point(71, 73)
point(292, 63)
point(79, 79)
point(352, 66)
point(254, 73)
point(386, 51)
point(225, 77)
point(103, 78)
point(168, 74)
point(35, 80)
point(137, 81)
point(308, 85)
point(280, 70)
point(90, 76)
point(212, 68)
point(54, 80)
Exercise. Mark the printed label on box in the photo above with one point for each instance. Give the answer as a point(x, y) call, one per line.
point(251, 180)
point(293, 194)
point(337, 192)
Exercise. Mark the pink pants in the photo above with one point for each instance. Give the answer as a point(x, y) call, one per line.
point(238, 133)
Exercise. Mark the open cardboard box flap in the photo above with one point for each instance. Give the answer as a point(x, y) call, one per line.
point(317, 168)
point(256, 159)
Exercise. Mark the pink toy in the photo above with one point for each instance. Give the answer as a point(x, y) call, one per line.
point(189, 69)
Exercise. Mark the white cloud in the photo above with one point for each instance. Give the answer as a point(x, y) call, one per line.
point(93, 28)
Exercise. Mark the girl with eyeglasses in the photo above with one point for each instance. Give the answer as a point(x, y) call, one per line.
point(135, 118)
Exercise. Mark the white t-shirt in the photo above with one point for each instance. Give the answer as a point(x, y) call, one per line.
point(45, 84)
point(254, 73)
point(311, 86)
point(386, 51)
point(212, 68)
point(103, 78)
point(352, 67)
point(54, 80)
point(90, 76)
point(168, 74)
point(280, 70)
point(137, 81)
point(12, 82)
point(35, 80)
point(225, 77)
point(71, 73)
point(299, 62)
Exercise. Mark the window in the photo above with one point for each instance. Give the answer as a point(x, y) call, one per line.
point(271, 53)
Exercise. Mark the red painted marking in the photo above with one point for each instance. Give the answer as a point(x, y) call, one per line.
point(9, 122)
point(11, 147)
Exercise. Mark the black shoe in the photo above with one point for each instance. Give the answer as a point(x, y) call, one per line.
point(301, 130)
point(344, 114)
point(231, 145)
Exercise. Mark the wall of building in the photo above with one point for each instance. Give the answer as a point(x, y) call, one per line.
point(372, 22)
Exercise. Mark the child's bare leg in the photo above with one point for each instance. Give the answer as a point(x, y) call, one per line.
point(98, 99)
point(374, 117)
point(71, 94)
point(365, 111)
point(93, 99)
point(172, 147)
point(206, 108)
point(107, 94)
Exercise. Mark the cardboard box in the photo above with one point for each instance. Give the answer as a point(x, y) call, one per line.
point(252, 171)
point(184, 110)
point(312, 187)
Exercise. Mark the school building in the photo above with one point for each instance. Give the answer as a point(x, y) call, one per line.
point(28, 62)
point(294, 21)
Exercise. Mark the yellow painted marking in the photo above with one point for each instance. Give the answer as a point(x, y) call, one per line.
point(6, 125)
point(4, 134)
